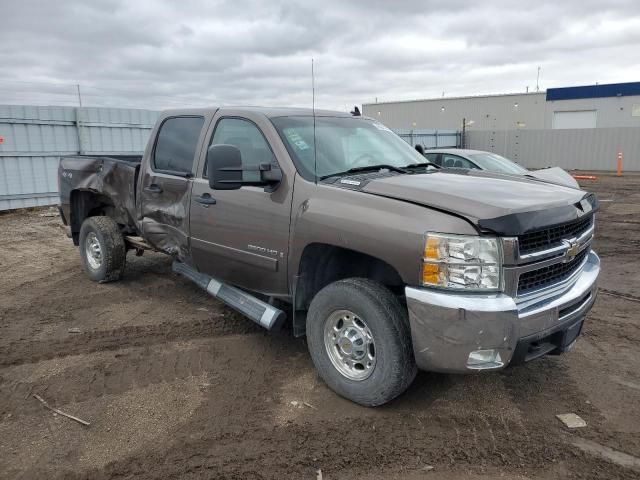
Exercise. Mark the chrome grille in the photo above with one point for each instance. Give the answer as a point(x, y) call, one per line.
point(546, 276)
point(553, 236)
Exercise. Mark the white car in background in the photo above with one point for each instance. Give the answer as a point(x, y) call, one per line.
point(492, 162)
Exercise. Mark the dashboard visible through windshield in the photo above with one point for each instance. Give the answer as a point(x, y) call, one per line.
point(341, 144)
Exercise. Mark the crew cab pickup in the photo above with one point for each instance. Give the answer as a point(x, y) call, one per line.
point(387, 263)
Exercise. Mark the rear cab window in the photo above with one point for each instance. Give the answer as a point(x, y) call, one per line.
point(176, 145)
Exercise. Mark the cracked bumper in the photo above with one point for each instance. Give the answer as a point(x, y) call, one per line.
point(447, 327)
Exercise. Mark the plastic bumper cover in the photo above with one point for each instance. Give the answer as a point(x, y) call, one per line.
point(447, 327)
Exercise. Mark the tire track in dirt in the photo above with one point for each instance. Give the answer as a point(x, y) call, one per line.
point(297, 451)
point(627, 333)
point(67, 279)
point(95, 375)
point(122, 425)
point(66, 299)
point(29, 351)
point(527, 385)
point(61, 276)
point(621, 295)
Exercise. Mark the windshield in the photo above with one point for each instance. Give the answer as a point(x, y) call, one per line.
point(496, 163)
point(342, 143)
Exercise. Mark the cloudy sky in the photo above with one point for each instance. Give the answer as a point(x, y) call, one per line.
point(157, 54)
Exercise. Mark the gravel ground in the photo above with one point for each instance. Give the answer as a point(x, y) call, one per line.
point(176, 385)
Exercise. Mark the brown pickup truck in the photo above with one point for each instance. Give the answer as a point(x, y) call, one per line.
point(384, 261)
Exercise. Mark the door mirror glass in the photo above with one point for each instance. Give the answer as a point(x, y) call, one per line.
point(224, 167)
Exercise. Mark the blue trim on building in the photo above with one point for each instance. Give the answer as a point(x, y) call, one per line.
point(594, 91)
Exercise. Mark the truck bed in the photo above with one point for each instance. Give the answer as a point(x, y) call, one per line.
point(112, 178)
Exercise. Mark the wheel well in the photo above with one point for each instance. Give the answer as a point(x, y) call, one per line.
point(86, 204)
point(322, 264)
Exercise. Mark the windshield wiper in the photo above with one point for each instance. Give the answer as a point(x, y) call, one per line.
point(368, 168)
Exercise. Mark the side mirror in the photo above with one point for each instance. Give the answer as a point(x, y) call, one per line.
point(270, 176)
point(224, 167)
point(269, 173)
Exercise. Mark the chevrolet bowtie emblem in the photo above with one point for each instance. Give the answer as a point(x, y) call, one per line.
point(572, 251)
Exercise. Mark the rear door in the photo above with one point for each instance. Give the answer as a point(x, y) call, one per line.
point(165, 184)
point(243, 238)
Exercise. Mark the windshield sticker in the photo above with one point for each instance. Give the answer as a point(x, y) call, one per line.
point(380, 126)
point(350, 182)
point(296, 139)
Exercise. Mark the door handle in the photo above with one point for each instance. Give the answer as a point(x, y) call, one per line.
point(206, 199)
point(153, 188)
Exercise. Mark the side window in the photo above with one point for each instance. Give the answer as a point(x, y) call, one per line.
point(433, 157)
point(249, 139)
point(454, 161)
point(177, 142)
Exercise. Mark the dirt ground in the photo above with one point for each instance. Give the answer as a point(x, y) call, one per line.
point(176, 385)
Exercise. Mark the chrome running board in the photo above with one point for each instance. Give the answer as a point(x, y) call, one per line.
point(262, 313)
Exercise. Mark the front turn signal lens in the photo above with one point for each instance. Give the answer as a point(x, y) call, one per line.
point(430, 273)
point(431, 248)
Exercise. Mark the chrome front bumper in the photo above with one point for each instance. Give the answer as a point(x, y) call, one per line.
point(447, 327)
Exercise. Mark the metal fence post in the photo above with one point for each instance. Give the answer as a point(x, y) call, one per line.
point(78, 131)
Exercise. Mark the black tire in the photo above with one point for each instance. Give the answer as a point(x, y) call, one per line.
point(387, 320)
point(113, 250)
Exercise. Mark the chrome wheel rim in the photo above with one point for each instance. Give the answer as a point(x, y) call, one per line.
point(350, 345)
point(93, 251)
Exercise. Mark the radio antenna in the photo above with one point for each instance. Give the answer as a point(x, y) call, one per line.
point(313, 111)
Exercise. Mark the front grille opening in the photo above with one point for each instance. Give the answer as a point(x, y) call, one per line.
point(552, 237)
point(574, 305)
point(545, 276)
point(543, 346)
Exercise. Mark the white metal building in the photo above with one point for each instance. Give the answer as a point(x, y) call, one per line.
point(573, 127)
point(597, 106)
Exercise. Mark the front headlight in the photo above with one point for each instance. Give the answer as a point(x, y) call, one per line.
point(464, 262)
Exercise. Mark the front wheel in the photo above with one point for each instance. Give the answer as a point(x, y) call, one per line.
point(360, 342)
point(102, 249)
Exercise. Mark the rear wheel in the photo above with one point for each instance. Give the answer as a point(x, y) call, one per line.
point(360, 342)
point(102, 249)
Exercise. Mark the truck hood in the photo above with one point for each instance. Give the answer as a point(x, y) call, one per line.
point(503, 204)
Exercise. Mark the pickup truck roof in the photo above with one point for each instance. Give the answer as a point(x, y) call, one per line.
point(269, 112)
